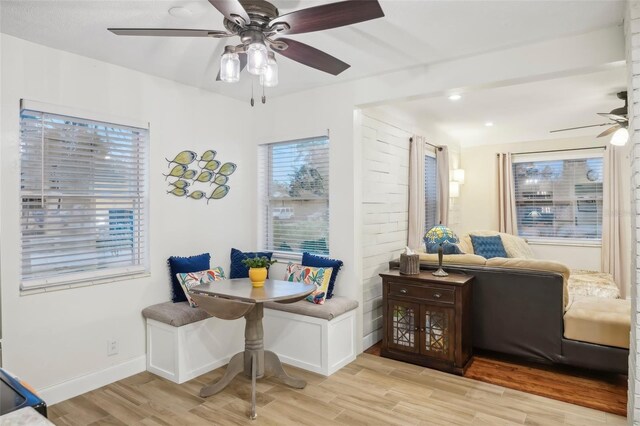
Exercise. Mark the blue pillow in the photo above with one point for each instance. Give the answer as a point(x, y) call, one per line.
point(314, 261)
point(184, 265)
point(488, 247)
point(237, 269)
point(447, 248)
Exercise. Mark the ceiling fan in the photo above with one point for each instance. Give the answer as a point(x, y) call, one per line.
point(259, 24)
point(619, 122)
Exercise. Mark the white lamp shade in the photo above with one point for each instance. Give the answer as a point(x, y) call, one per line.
point(458, 175)
point(454, 189)
point(230, 68)
point(257, 58)
point(620, 137)
point(270, 76)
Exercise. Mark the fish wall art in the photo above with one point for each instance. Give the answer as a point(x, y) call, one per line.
point(198, 178)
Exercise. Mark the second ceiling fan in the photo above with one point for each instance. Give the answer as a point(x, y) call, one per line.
point(259, 26)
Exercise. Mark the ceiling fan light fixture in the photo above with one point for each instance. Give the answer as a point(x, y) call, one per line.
point(230, 67)
point(620, 137)
point(257, 58)
point(270, 76)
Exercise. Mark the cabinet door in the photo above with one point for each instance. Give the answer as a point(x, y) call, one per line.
point(402, 325)
point(437, 337)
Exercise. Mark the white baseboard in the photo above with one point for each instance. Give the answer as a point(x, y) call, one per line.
point(79, 385)
point(371, 339)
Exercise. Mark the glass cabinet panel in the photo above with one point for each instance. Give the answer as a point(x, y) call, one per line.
point(403, 325)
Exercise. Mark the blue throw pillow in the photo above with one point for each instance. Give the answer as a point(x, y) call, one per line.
point(184, 265)
point(314, 261)
point(488, 247)
point(237, 269)
point(447, 248)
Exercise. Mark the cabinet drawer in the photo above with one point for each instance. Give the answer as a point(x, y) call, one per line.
point(418, 292)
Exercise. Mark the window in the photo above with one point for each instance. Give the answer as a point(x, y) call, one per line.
point(430, 192)
point(559, 198)
point(296, 196)
point(83, 193)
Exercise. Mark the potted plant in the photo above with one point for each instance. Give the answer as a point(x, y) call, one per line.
point(258, 269)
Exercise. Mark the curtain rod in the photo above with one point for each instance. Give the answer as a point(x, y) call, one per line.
point(439, 148)
point(557, 150)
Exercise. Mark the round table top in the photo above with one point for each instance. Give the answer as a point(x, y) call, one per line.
point(241, 289)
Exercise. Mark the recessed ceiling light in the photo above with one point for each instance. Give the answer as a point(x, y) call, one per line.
point(455, 97)
point(180, 12)
point(489, 124)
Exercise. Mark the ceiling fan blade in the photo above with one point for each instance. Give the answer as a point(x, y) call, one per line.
point(327, 16)
point(580, 127)
point(232, 10)
point(614, 117)
point(243, 63)
point(610, 130)
point(311, 57)
point(168, 32)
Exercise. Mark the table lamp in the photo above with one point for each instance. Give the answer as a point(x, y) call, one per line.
point(440, 235)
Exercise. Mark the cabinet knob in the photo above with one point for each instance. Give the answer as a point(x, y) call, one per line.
point(403, 290)
point(437, 295)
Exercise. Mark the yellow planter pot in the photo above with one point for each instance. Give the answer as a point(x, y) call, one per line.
point(257, 276)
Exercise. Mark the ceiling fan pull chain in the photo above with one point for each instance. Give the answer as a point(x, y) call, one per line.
point(252, 92)
point(264, 98)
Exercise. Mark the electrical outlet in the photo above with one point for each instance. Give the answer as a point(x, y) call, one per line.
point(112, 347)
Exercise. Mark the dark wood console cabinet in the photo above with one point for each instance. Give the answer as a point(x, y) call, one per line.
point(427, 319)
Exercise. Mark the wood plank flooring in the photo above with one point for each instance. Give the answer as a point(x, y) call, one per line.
point(369, 391)
point(600, 391)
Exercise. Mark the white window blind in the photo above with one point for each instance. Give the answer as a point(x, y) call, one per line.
point(295, 211)
point(83, 199)
point(559, 195)
point(430, 192)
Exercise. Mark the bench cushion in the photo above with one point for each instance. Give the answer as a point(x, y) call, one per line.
point(331, 308)
point(175, 314)
point(600, 321)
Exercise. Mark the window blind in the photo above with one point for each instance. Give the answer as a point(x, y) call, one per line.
point(295, 211)
point(559, 197)
point(83, 199)
point(430, 192)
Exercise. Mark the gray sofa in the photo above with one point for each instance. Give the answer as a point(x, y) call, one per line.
point(521, 312)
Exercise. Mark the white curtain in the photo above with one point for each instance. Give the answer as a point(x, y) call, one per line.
point(616, 243)
point(416, 192)
point(442, 162)
point(507, 218)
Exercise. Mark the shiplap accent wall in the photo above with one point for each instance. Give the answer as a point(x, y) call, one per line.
point(385, 169)
point(632, 37)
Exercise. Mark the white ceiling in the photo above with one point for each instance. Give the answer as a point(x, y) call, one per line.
point(523, 112)
point(412, 33)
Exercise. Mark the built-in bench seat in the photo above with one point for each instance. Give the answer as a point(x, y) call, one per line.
point(185, 342)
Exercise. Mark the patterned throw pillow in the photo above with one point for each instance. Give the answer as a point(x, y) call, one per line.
point(192, 279)
point(310, 275)
point(488, 247)
point(309, 259)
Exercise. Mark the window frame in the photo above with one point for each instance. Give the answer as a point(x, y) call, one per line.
point(572, 154)
point(265, 219)
point(80, 278)
point(430, 154)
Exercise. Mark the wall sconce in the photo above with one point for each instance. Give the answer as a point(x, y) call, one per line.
point(454, 189)
point(458, 175)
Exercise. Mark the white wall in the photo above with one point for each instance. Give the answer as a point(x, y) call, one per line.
point(632, 42)
point(59, 338)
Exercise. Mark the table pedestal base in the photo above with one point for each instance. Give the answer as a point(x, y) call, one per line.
point(254, 362)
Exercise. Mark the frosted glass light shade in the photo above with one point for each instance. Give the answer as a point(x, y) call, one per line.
point(230, 68)
point(454, 189)
point(458, 175)
point(620, 137)
point(270, 76)
point(257, 58)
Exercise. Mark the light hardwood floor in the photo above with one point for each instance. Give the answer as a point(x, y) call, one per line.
point(369, 391)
